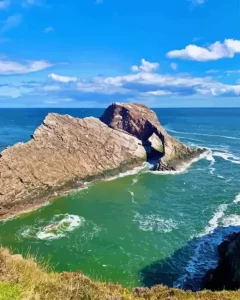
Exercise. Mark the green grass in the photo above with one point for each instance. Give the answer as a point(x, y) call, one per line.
point(24, 279)
point(10, 291)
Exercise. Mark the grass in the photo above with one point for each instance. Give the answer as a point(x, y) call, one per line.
point(10, 291)
point(25, 279)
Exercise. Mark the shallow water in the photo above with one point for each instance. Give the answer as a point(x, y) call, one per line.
point(147, 227)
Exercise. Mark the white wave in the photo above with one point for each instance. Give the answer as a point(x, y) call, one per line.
point(191, 139)
point(206, 246)
point(227, 156)
point(209, 157)
point(132, 195)
point(135, 180)
point(78, 190)
point(213, 223)
point(59, 226)
point(231, 220)
point(237, 199)
point(184, 167)
point(212, 170)
point(145, 167)
point(154, 223)
point(220, 176)
point(204, 134)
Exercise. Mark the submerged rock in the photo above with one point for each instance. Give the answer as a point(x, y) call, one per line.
point(64, 153)
point(227, 274)
point(141, 122)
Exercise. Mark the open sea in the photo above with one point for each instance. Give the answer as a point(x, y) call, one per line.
point(142, 228)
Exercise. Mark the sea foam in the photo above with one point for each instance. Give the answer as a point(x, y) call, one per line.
point(237, 198)
point(59, 226)
point(184, 167)
point(154, 222)
point(227, 156)
point(56, 228)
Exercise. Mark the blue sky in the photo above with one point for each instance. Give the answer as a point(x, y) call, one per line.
point(89, 53)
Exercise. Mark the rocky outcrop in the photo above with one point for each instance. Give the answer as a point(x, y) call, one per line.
point(227, 274)
point(141, 122)
point(64, 153)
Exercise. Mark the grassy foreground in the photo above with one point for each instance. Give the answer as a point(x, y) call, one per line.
point(24, 279)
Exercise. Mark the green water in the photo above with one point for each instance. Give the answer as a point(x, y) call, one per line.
point(119, 227)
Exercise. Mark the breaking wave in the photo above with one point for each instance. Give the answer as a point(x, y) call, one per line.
point(237, 199)
point(184, 167)
point(227, 156)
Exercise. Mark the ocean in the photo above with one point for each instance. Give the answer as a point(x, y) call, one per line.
point(141, 228)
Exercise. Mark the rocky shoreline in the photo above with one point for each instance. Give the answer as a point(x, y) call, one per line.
point(65, 153)
point(226, 276)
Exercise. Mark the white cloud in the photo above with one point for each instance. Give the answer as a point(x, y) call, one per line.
point(140, 86)
point(99, 1)
point(174, 66)
point(63, 79)
point(215, 51)
point(135, 68)
point(8, 67)
point(48, 29)
point(232, 71)
point(11, 22)
point(145, 66)
point(51, 88)
point(160, 93)
point(4, 4)
point(148, 84)
point(212, 71)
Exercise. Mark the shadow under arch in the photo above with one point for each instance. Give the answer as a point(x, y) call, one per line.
point(188, 265)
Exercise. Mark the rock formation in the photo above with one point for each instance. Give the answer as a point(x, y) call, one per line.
point(66, 152)
point(227, 274)
point(141, 122)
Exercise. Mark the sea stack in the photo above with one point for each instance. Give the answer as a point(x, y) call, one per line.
point(141, 122)
point(65, 153)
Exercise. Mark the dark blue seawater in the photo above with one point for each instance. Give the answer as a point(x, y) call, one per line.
point(146, 227)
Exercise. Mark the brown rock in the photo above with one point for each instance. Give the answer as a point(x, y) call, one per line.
point(64, 153)
point(141, 122)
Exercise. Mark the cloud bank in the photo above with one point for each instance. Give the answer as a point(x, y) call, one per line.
point(215, 51)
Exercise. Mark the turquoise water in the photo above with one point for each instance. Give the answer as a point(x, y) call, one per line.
point(144, 227)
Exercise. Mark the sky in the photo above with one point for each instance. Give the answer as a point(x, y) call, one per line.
point(90, 53)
